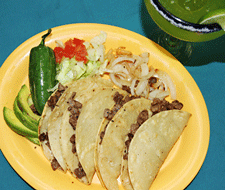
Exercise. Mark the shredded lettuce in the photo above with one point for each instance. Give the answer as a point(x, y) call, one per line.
point(69, 69)
point(92, 68)
point(99, 39)
point(96, 49)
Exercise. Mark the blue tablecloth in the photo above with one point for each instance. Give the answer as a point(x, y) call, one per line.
point(20, 20)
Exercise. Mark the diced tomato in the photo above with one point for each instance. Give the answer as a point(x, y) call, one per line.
point(69, 42)
point(77, 41)
point(72, 48)
point(58, 54)
point(69, 51)
point(81, 53)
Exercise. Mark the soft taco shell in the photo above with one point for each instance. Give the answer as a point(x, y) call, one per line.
point(88, 126)
point(109, 153)
point(56, 115)
point(152, 143)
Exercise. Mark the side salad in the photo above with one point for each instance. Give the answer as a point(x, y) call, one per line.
point(78, 59)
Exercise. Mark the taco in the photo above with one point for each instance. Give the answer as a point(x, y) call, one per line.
point(68, 131)
point(53, 113)
point(88, 125)
point(151, 145)
point(110, 144)
point(43, 123)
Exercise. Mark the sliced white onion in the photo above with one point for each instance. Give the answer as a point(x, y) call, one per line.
point(126, 70)
point(124, 77)
point(120, 59)
point(121, 75)
point(107, 70)
point(163, 94)
point(157, 84)
point(141, 87)
point(132, 86)
point(145, 57)
point(137, 61)
point(158, 94)
point(167, 81)
point(122, 81)
point(120, 68)
point(150, 74)
point(113, 78)
point(144, 70)
point(146, 92)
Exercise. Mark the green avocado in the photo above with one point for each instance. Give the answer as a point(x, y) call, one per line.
point(22, 102)
point(34, 140)
point(24, 118)
point(14, 123)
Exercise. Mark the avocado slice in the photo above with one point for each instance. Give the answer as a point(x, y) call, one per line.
point(24, 118)
point(29, 100)
point(22, 101)
point(14, 123)
point(34, 140)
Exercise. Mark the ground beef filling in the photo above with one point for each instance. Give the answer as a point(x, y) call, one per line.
point(156, 106)
point(79, 171)
point(33, 109)
point(75, 109)
point(152, 81)
point(102, 134)
point(54, 99)
point(142, 117)
point(42, 137)
point(73, 141)
point(126, 88)
point(54, 163)
point(163, 105)
point(119, 100)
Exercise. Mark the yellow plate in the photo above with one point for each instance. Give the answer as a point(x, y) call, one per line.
point(183, 162)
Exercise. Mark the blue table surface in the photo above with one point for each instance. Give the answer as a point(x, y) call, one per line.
point(20, 20)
